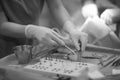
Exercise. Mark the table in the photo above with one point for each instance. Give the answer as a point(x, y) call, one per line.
point(11, 70)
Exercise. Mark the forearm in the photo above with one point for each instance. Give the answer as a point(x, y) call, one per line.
point(60, 13)
point(12, 30)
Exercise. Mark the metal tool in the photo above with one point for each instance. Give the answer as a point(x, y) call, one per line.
point(73, 52)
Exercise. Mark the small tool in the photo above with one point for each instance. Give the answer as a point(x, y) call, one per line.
point(73, 52)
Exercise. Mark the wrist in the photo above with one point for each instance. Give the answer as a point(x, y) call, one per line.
point(68, 26)
point(29, 31)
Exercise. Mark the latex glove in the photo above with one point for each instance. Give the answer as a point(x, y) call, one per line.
point(89, 10)
point(44, 35)
point(110, 16)
point(95, 28)
point(78, 38)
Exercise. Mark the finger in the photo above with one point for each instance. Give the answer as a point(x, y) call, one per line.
point(54, 44)
point(58, 35)
point(103, 16)
point(36, 41)
point(109, 21)
point(73, 57)
point(38, 48)
point(57, 39)
point(22, 47)
point(49, 42)
point(75, 41)
point(84, 40)
point(19, 48)
point(107, 18)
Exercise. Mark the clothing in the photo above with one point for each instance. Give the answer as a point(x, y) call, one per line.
point(21, 12)
point(110, 4)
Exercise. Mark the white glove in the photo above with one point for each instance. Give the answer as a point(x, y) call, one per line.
point(44, 35)
point(95, 28)
point(110, 16)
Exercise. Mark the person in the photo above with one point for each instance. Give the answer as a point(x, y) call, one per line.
point(99, 32)
point(23, 22)
point(111, 14)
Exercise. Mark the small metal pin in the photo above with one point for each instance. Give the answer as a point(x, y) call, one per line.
point(73, 52)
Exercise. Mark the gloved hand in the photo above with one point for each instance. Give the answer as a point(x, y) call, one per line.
point(44, 35)
point(95, 28)
point(89, 10)
point(110, 16)
point(78, 38)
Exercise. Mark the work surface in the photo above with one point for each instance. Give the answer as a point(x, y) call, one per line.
point(11, 70)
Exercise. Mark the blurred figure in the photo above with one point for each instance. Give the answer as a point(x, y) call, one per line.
point(97, 28)
point(111, 15)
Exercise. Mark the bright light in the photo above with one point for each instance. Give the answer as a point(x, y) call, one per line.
point(89, 10)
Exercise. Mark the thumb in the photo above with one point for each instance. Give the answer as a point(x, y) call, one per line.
point(84, 40)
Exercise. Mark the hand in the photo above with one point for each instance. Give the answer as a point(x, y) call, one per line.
point(89, 10)
point(109, 15)
point(79, 39)
point(95, 28)
point(44, 35)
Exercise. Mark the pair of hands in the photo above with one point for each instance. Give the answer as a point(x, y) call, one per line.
point(51, 38)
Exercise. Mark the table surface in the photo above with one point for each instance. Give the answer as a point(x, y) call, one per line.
point(11, 70)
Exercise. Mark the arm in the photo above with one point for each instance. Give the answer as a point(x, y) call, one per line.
point(60, 13)
point(12, 30)
point(105, 4)
point(64, 19)
point(9, 28)
point(40, 33)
